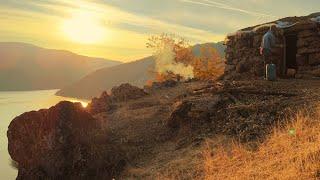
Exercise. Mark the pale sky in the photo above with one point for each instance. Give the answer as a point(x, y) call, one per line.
point(119, 29)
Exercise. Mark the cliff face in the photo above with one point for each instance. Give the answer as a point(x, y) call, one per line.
point(60, 142)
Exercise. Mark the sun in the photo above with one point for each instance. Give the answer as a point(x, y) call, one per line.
point(84, 27)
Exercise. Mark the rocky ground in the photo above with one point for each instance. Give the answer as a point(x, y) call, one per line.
point(159, 132)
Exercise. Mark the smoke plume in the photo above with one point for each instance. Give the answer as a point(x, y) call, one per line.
point(165, 62)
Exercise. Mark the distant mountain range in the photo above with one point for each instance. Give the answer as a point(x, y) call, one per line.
point(28, 67)
point(135, 73)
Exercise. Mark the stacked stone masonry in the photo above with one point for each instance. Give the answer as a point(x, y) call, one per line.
point(243, 59)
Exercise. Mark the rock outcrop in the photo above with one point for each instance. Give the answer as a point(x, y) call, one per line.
point(154, 86)
point(179, 114)
point(101, 104)
point(107, 103)
point(63, 142)
point(126, 92)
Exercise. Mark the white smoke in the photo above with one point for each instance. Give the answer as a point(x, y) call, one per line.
point(165, 62)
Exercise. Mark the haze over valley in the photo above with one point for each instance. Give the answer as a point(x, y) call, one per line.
point(28, 67)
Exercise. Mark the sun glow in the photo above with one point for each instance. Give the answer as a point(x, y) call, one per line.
point(84, 27)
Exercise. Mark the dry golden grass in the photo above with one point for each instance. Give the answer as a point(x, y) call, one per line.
point(291, 152)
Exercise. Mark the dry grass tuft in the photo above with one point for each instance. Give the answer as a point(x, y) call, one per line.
point(290, 152)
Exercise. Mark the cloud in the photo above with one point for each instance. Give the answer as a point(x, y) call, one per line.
point(215, 4)
point(150, 25)
point(132, 22)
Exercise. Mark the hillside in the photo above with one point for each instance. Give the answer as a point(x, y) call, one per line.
point(189, 130)
point(136, 73)
point(28, 67)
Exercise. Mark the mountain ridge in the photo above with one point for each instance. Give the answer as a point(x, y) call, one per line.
point(26, 66)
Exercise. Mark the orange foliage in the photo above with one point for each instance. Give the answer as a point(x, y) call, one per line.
point(208, 65)
point(149, 83)
point(181, 47)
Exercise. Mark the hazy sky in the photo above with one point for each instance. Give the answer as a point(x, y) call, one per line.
point(119, 29)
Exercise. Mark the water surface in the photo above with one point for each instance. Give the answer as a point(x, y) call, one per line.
point(14, 103)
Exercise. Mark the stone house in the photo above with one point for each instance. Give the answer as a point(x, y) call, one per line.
point(297, 53)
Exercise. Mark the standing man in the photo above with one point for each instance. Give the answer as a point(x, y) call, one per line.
point(268, 42)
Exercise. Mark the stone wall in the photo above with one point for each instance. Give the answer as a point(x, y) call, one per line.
point(308, 54)
point(243, 59)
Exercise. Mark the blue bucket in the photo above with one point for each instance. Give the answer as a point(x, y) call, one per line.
point(271, 72)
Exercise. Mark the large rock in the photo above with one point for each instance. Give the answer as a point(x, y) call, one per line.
point(107, 103)
point(190, 113)
point(179, 114)
point(162, 85)
point(126, 92)
point(60, 143)
point(101, 104)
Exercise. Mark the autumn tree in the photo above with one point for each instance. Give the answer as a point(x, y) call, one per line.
point(209, 64)
point(180, 46)
point(205, 66)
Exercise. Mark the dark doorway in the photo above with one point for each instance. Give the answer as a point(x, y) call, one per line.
point(291, 51)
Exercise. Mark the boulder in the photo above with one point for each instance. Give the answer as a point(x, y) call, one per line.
point(126, 92)
point(59, 143)
point(179, 114)
point(101, 104)
point(164, 84)
point(107, 103)
point(191, 113)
